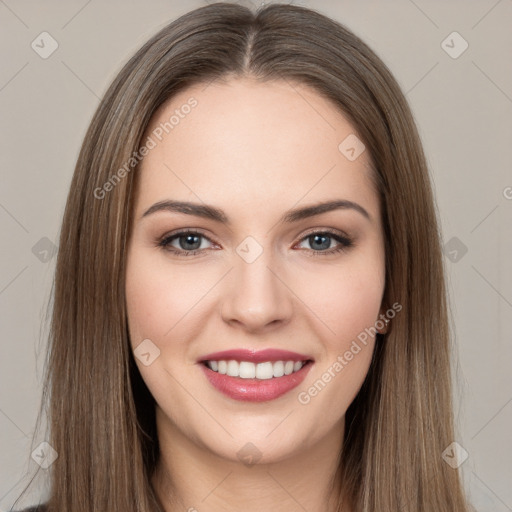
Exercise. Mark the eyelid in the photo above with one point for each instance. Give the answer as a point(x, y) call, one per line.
point(184, 231)
point(334, 231)
point(208, 237)
point(178, 231)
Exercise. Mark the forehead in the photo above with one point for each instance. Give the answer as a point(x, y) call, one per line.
point(244, 142)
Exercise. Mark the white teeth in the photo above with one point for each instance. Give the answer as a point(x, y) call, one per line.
point(223, 367)
point(246, 370)
point(249, 370)
point(278, 369)
point(264, 371)
point(232, 369)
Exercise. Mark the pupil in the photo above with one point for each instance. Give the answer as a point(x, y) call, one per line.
point(316, 239)
point(190, 239)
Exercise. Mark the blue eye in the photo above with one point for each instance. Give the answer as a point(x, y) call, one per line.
point(190, 243)
point(320, 241)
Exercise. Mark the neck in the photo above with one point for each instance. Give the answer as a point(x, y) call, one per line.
point(190, 477)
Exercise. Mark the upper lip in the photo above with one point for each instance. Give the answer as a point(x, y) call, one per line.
point(255, 356)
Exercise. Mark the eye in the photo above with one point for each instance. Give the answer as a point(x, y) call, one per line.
point(321, 242)
point(185, 243)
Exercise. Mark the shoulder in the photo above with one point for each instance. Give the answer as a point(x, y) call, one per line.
point(38, 508)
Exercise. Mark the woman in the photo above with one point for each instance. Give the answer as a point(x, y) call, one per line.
point(199, 358)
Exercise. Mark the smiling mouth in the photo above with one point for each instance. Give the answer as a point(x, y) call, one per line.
point(249, 381)
point(259, 371)
point(253, 375)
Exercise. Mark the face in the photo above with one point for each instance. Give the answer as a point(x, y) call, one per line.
point(250, 268)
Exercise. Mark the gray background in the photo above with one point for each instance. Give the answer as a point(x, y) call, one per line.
point(463, 108)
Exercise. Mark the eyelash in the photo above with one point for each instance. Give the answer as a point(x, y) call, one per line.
point(344, 243)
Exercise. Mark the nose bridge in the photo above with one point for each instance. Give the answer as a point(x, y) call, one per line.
point(256, 297)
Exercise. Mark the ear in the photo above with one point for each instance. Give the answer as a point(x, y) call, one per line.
point(382, 322)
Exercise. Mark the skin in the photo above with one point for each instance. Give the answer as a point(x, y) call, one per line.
point(254, 150)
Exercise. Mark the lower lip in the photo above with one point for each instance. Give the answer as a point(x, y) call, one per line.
point(255, 390)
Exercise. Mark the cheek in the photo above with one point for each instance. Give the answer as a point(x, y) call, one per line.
point(158, 297)
point(348, 305)
point(347, 299)
point(158, 304)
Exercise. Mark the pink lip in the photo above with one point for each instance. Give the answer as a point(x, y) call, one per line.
point(260, 356)
point(255, 390)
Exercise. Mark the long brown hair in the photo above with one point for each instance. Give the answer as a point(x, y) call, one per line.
point(100, 413)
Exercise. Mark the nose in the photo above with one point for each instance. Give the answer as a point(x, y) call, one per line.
point(256, 297)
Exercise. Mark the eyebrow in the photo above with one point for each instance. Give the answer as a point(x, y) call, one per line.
point(218, 215)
